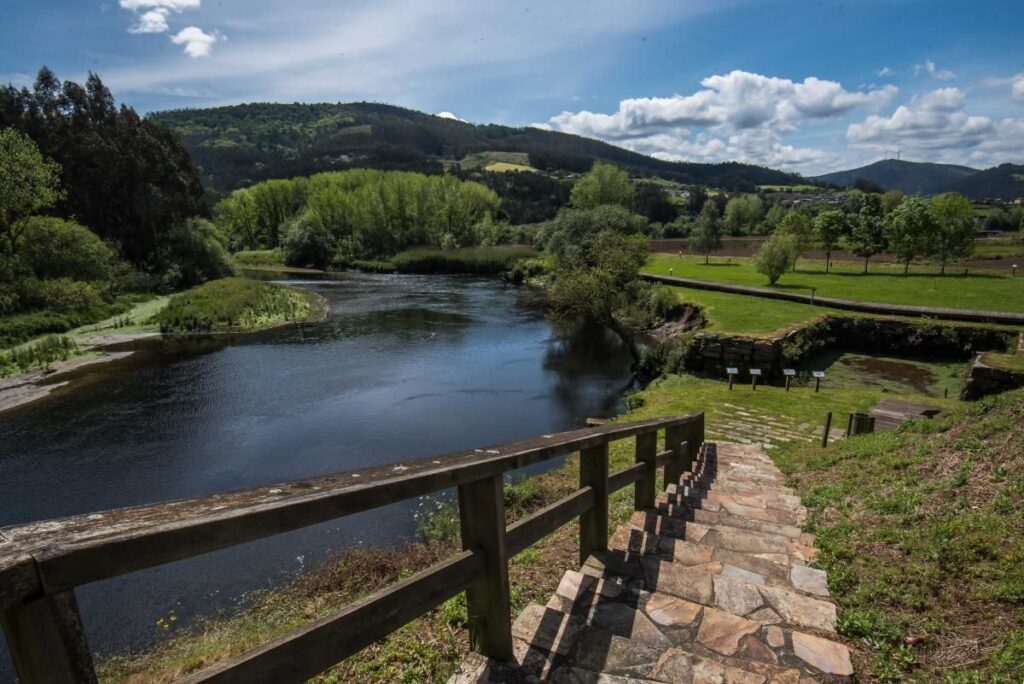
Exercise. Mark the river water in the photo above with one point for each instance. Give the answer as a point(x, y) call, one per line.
point(402, 367)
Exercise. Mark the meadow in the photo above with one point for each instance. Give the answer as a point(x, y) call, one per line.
point(884, 283)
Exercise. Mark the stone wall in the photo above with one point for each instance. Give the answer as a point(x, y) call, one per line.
point(711, 353)
point(983, 380)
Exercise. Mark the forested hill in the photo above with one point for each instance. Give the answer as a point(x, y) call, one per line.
point(910, 177)
point(239, 145)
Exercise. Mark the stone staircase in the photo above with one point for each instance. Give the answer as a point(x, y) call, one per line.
point(713, 585)
point(748, 425)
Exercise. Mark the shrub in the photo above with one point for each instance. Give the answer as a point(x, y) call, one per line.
point(233, 304)
point(195, 251)
point(55, 248)
point(64, 295)
point(776, 256)
point(37, 355)
point(467, 260)
point(308, 244)
point(260, 257)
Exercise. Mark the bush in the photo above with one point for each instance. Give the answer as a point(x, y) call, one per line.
point(260, 257)
point(195, 251)
point(37, 355)
point(308, 244)
point(467, 260)
point(776, 256)
point(64, 295)
point(55, 248)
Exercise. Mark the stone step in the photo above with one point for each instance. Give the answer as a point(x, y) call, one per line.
point(744, 506)
point(699, 515)
point(655, 623)
point(768, 569)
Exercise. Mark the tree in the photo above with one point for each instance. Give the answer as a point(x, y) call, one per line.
point(776, 256)
point(698, 195)
point(707, 231)
point(604, 184)
point(652, 202)
point(830, 226)
point(891, 200)
point(868, 186)
point(29, 183)
point(910, 229)
point(867, 237)
point(55, 248)
point(743, 214)
point(799, 226)
point(954, 237)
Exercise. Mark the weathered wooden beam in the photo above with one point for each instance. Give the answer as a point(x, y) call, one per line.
point(482, 519)
point(19, 580)
point(308, 651)
point(664, 457)
point(645, 494)
point(594, 522)
point(628, 476)
point(82, 549)
point(528, 531)
point(674, 437)
point(47, 642)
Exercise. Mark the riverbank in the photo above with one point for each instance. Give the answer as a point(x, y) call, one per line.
point(211, 309)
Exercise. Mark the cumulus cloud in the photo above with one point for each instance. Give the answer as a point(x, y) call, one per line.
point(449, 115)
point(930, 69)
point(153, 21)
point(151, 15)
point(934, 126)
point(197, 42)
point(739, 115)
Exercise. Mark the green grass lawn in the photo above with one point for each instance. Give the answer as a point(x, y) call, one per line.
point(884, 283)
point(745, 315)
point(1010, 362)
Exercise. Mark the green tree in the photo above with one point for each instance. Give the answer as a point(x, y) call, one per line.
point(830, 226)
point(799, 226)
point(954, 236)
point(55, 248)
point(891, 200)
point(29, 183)
point(867, 237)
point(776, 256)
point(743, 214)
point(707, 231)
point(910, 230)
point(604, 184)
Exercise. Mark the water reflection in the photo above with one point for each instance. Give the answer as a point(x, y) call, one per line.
point(402, 367)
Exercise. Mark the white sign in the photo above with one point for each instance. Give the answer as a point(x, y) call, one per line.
point(819, 374)
point(789, 371)
point(755, 371)
point(732, 371)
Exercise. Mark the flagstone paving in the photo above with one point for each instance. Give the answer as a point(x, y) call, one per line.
point(714, 585)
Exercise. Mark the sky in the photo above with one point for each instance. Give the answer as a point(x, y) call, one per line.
point(809, 86)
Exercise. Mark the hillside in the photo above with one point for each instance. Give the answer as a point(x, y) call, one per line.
point(238, 145)
point(910, 177)
point(1005, 181)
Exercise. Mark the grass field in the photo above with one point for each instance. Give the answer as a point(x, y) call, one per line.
point(884, 283)
point(483, 160)
point(743, 315)
point(504, 167)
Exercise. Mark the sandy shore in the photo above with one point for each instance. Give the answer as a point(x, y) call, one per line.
point(34, 385)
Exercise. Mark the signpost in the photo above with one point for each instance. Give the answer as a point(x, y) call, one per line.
point(732, 372)
point(818, 375)
point(755, 373)
point(790, 373)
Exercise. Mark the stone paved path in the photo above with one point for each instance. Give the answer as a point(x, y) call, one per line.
point(748, 425)
point(713, 585)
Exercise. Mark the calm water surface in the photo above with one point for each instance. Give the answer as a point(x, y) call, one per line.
point(403, 367)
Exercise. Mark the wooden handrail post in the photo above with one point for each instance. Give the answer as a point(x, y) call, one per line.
point(694, 440)
point(674, 437)
point(594, 523)
point(644, 493)
point(482, 516)
point(47, 642)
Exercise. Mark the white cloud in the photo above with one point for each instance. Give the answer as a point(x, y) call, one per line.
point(737, 116)
point(929, 68)
point(152, 14)
point(449, 115)
point(170, 5)
point(197, 43)
point(153, 21)
point(884, 71)
point(934, 126)
point(1017, 87)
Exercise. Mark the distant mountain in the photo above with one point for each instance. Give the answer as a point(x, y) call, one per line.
point(910, 177)
point(239, 145)
point(1005, 182)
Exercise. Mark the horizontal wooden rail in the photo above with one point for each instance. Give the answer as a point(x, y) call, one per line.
point(526, 532)
point(308, 651)
point(42, 563)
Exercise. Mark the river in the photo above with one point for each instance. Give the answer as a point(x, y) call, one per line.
point(402, 367)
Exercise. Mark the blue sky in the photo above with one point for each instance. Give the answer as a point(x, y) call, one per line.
point(808, 86)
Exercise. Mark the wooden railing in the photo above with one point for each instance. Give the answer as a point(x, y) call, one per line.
point(41, 563)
